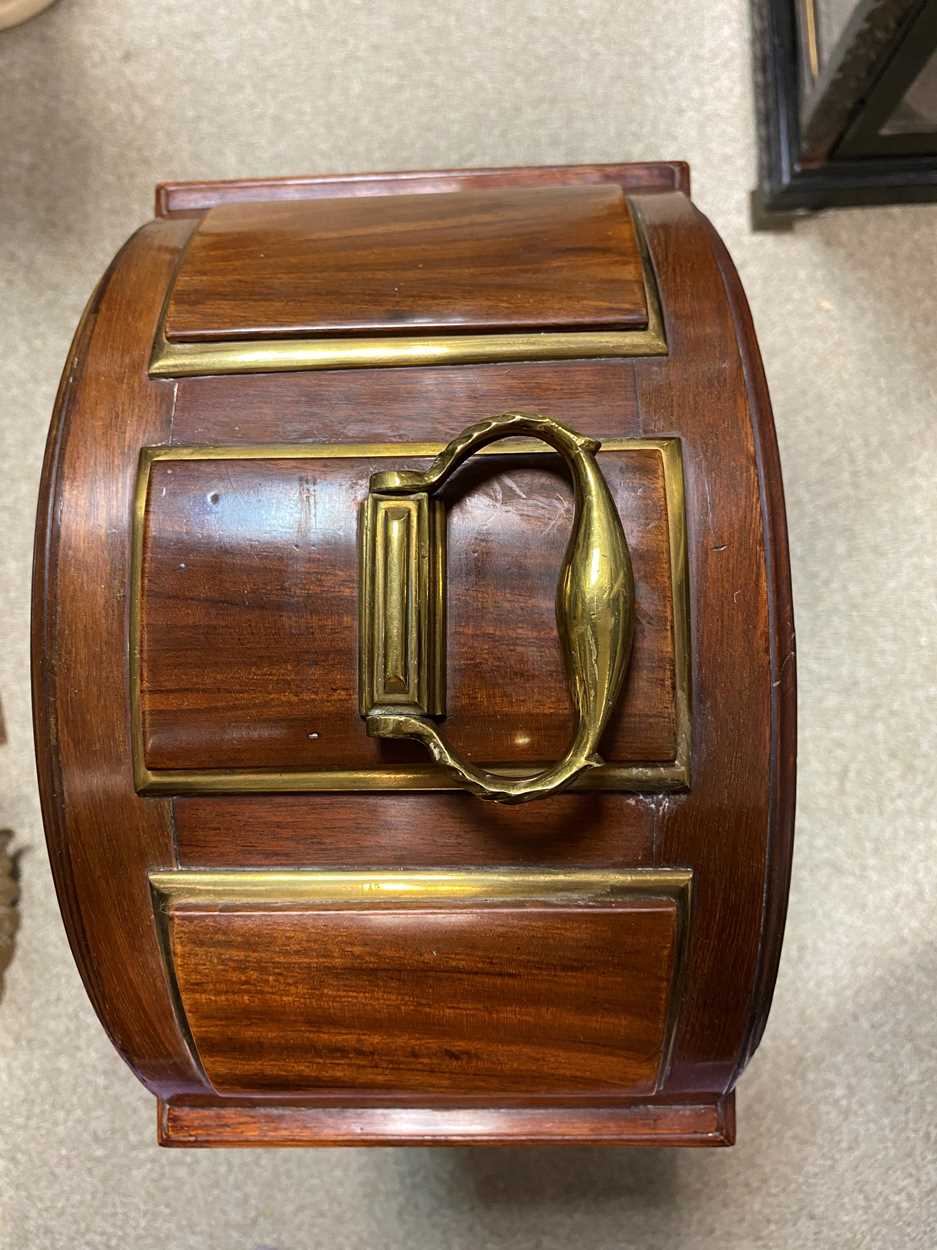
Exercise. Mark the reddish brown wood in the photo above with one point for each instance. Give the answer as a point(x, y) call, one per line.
point(732, 829)
point(250, 601)
point(702, 1122)
point(596, 397)
point(407, 830)
point(182, 199)
point(782, 655)
point(550, 258)
point(503, 1001)
point(738, 710)
point(103, 838)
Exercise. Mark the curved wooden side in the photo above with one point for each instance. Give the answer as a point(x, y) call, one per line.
point(734, 827)
point(783, 776)
point(103, 839)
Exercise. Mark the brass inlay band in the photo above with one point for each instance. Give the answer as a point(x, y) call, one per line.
point(179, 360)
point(594, 603)
point(273, 889)
point(270, 887)
point(183, 360)
point(653, 776)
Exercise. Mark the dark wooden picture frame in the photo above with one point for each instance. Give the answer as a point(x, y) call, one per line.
point(820, 128)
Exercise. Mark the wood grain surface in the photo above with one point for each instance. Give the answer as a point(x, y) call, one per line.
point(250, 601)
point(405, 830)
point(488, 261)
point(595, 397)
point(704, 1121)
point(782, 776)
point(732, 829)
point(740, 710)
point(461, 1000)
point(182, 199)
point(102, 837)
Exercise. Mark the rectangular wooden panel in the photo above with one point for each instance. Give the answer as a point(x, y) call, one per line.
point(249, 607)
point(484, 261)
point(467, 998)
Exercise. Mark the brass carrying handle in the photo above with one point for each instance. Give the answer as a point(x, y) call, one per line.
point(594, 606)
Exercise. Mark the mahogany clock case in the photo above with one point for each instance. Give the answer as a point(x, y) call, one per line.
point(298, 926)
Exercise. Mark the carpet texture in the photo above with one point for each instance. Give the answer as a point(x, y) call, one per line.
point(837, 1113)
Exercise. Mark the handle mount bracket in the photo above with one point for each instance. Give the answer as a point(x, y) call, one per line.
point(403, 599)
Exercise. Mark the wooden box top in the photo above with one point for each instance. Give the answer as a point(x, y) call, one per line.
point(489, 261)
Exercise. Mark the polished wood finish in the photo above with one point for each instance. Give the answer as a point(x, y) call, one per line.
point(742, 713)
point(596, 397)
point(250, 600)
point(448, 829)
point(361, 1001)
point(706, 1121)
point(732, 829)
point(782, 774)
point(185, 199)
point(103, 838)
point(547, 258)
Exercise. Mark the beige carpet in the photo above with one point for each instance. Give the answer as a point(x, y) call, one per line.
point(837, 1116)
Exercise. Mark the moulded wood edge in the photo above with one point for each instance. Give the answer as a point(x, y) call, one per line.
point(189, 199)
point(783, 800)
point(708, 1120)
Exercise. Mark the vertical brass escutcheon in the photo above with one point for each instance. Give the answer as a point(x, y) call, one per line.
point(403, 604)
point(402, 607)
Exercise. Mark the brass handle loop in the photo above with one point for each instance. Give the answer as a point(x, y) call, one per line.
point(594, 608)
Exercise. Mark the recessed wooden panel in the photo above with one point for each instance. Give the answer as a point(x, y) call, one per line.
point(461, 1000)
point(486, 261)
point(249, 614)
